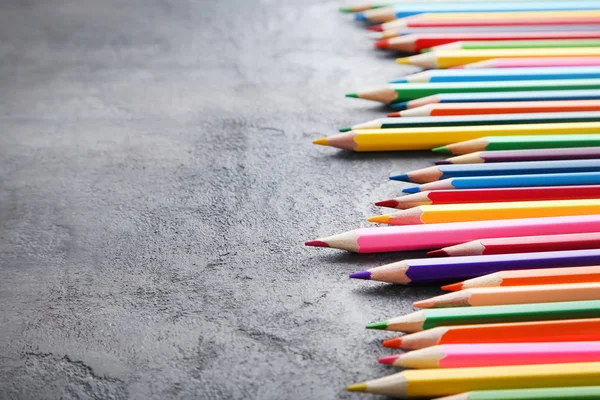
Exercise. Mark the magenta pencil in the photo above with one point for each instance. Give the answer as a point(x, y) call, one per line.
point(535, 62)
point(433, 236)
point(495, 354)
point(573, 153)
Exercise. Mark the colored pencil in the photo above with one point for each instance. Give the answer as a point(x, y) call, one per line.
point(535, 62)
point(444, 382)
point(452, 58)
point(406, 10)
point(534, 25)
point(469, 98)
point(473, 120)
point(435, 317)
point(494, 296)
point(453, 269)
point(561, 393)
point(492, 196)
point(515, 332)
point(502, 156)
point(435, 137)
point(524, 142)
point(358, 7)
point(397, 92)
point(522, 244)
point(507, 181)
point(446, 213)
point(446, 171)
point(495, 354)
point(517, 44)
point(483, 16)
point(501, 74)
point(434, 236)
point(516, 107)
point(415, 43)
point(544, 276)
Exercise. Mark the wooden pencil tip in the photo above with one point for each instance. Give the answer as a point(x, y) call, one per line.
point(427, 303)
point(403, 60)
point(442, 149)
point(321, 141)
point(387, 203)
point(316, 243)
point(388, 360)
point(360, 17)
point(394, 114)
point(455, 287)
point(393, 343)
point(352, 95)
point(357, 387)
point(380, 219)
point(400, 177)
point(378, 325)
point(345, 129)
point(375, 28)
point(442, 162)
point(437, 253)
point(414, 189)
point(346, 10)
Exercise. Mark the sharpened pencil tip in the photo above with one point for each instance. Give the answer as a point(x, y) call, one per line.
point(382, 44)
point(375, 28)
point(442, 162)
point(387, 203)
point(437, 253)
point(360, 17)
point(357, 387)
point(400, 177)
point(345, 129)
point(380, 219)
point(366, 275)
point(393, 343)
point(403, 105)
point(345, 9)
point(414, 189)
point(441, 149)
point(388, 360)
point(353, 95)
point(394, 114)
point(403, 60)
point(427, 303)
point(378, 325)
point(316, 243)
point(321, 141)
point(455, 287)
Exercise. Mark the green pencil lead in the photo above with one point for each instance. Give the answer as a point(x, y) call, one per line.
point(345, 9)
point(353, 95)
point(345, 129)
point(378, 325)
point(441, 149)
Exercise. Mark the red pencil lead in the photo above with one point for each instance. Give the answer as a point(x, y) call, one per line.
point(316, 243)
point(437, 253)
point(375, 28)
point(382, 44)
point(455, 287)
point(387, 203)
point(393, 343)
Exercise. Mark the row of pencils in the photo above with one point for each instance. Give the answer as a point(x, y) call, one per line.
point(510, 91)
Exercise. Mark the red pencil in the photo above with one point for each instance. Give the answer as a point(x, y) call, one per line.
point(524, 244)
point(414, 43)
point(493, 196)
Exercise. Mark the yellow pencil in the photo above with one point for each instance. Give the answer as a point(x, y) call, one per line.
point(453, 58)
point(428, 138)
point(435, 382)
point(444, 213)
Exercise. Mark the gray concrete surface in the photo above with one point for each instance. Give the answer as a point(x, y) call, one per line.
point(157, 181)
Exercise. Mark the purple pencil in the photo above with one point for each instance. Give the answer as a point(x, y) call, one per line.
point(574, 153)
point(443, 270)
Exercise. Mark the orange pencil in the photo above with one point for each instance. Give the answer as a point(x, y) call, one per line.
point(495, 296)
point(522, 107)
point(529, 277)
point(514, 332)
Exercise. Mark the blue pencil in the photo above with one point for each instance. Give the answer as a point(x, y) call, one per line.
point(501, 74)
point(510, 181)
point(406, 10)
point(539, 95)
point(440, 172)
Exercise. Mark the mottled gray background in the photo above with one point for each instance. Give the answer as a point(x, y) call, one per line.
point(157, 181)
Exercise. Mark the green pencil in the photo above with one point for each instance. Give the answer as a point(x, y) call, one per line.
point(559, 393)
point(431, 318)
point(518, 44)
point(485, 119)
point(398, 92)
point(492, 143)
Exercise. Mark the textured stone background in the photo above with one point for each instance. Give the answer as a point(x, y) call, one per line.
point(157, 181)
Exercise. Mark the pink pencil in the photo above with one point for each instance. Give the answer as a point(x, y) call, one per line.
point(498, 354)
point(431, 236)
point(535, 62)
